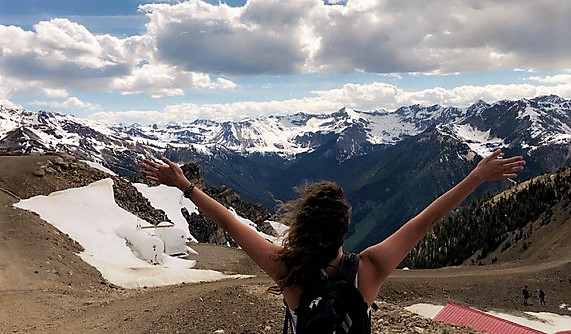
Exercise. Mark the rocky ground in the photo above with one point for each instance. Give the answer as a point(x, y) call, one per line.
point(46, 288)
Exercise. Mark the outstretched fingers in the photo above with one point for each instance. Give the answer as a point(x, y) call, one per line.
point(152, 178)
point(149, 165)
point(495, 167)
point(515, 166)
point(493, 155)
point(168, 162)
point(511, 166)
point(150, 170)
point(167, 173)
point(518, 159)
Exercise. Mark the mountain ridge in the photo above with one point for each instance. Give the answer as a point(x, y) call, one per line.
point(545, 117)
point(391, 164)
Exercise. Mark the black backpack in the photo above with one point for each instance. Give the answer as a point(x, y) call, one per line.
point(333, 304)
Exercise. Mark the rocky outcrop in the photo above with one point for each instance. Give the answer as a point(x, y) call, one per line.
point(254, 212)
point(62, 171)
point(130, 199)
point(203, 229)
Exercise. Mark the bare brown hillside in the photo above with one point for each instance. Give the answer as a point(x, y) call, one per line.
point(46, 288)
point(546, 239)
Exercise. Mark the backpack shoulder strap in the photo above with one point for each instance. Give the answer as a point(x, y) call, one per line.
point(287, 319)
point(349, 266)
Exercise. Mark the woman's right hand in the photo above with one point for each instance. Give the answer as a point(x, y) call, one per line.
point(494, 168)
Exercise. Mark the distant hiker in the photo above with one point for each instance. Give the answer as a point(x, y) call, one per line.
point(525, 293)
point(310, 268)
point(541, 297)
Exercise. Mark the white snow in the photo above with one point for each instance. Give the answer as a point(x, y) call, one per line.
point(280, 228)
point(171, 201)
point(483, 143)
point(90, 216)
point(425, 310)
point(389, 128)
point(547, 322)
point(99, 167)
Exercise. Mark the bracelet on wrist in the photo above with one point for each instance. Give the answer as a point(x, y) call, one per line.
point(188, 191)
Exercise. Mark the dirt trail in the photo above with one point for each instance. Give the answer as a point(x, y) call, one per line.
point(495, 270)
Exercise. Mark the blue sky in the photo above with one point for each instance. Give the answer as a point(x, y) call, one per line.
point(160, 61)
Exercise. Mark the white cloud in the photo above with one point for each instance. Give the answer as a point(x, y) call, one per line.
point(163, 80)
point(55, 93)
point(196, 45)
point(220, 112)
point(224, 84)
point(9, 104)
point(59, 55)
point(261, 37)
point(374, 96)
point(277, 37)
point(553, 79)
point(14, 87)
point(60, 51)
point(381, 95)
point(69, 103)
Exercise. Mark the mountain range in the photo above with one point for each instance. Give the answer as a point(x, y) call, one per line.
point(390, 163)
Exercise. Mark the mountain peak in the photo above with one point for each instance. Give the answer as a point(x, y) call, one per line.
point(549, 99)
point(541, 120)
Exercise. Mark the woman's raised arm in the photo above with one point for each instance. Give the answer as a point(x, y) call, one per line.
point(261, 251)
point(379, 260)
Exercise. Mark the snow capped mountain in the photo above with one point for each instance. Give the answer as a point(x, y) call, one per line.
point(391, 189)
point(50, 131)
point(28, 132)
point(525, 124)
point(291, 135)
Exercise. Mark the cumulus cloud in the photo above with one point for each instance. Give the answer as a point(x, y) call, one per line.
point(55, 93)
point(260, 38)
point(160, 80)
point(385, 96)
point(219, 112)
point(59, 55)
point(196, 45)
point(553, 79)
point(9, 104)
point(59, 51)
point(15, 87)
point(289, 37)
point(374, 96)
point(69, 103)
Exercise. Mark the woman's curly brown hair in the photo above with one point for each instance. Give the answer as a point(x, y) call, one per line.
point(318, 221)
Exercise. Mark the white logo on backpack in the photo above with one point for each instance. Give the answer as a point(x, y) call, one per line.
point(314, 303)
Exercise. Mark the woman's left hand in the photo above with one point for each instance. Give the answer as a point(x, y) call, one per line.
point(168, 173)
